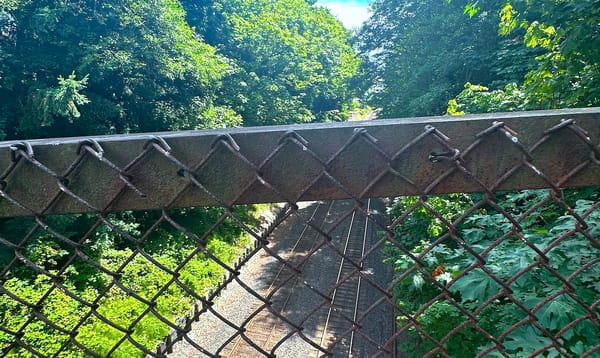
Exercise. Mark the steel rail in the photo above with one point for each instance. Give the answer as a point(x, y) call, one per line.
point(234, 350)
point(337, 280)
point(297, 279)
point(295, 246)
point(339, 275)
point(362, 254)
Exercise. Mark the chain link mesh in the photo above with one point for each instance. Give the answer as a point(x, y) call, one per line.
point(309, 280)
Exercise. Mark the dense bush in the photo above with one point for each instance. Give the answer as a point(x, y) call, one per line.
point(113, 250)
point(512, 256)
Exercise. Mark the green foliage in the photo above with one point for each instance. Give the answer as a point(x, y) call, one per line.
point(291, 62)
point(168, 65)
point(9, 4)
point(359, 111)
point(419, 54)
point(141, 67)
point(479, 99)
point(112, 247)
point(566, 42)
point(420, 225)
point(49, 103)
point(512, 260)
point(58, 308)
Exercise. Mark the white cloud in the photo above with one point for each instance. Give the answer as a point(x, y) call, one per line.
point(350, 13)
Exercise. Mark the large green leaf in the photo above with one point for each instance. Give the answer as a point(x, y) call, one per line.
point(525, 340)
point(559, 312)
point(476, 286)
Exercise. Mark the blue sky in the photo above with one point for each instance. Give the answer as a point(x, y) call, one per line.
point(351, 13)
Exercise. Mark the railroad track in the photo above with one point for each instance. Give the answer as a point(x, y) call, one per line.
point(268, 328)
point(346, 297)
point(265, 328)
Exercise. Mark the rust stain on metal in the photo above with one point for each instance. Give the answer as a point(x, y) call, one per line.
point(335, 161)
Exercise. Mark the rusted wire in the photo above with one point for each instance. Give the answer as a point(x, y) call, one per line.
point(289, 165)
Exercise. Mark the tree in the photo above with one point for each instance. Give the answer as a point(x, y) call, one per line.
point(566, 35)
point(292, 62)
point(89, 67)
point(93, 67)
point(421, 53)
point(558, 44)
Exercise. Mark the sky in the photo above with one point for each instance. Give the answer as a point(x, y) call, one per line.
point(352, 13)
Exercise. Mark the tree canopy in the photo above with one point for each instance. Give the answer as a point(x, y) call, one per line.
point(420, 54)
point(92, 67)
point(514, 55)
point(74, 68)
point(291, 62)
point(89, 67)
point(566, 72)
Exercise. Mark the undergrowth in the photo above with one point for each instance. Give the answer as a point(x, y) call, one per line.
point(455, 283)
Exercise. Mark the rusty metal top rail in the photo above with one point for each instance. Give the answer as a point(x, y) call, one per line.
point(343, 160)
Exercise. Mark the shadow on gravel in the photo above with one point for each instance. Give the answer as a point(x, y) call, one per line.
point(301, 296)
point(298, 273)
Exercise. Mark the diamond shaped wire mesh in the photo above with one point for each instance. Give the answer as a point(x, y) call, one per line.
point(152, 245)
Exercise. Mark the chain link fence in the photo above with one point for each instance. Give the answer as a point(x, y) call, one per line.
point(153, 244)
